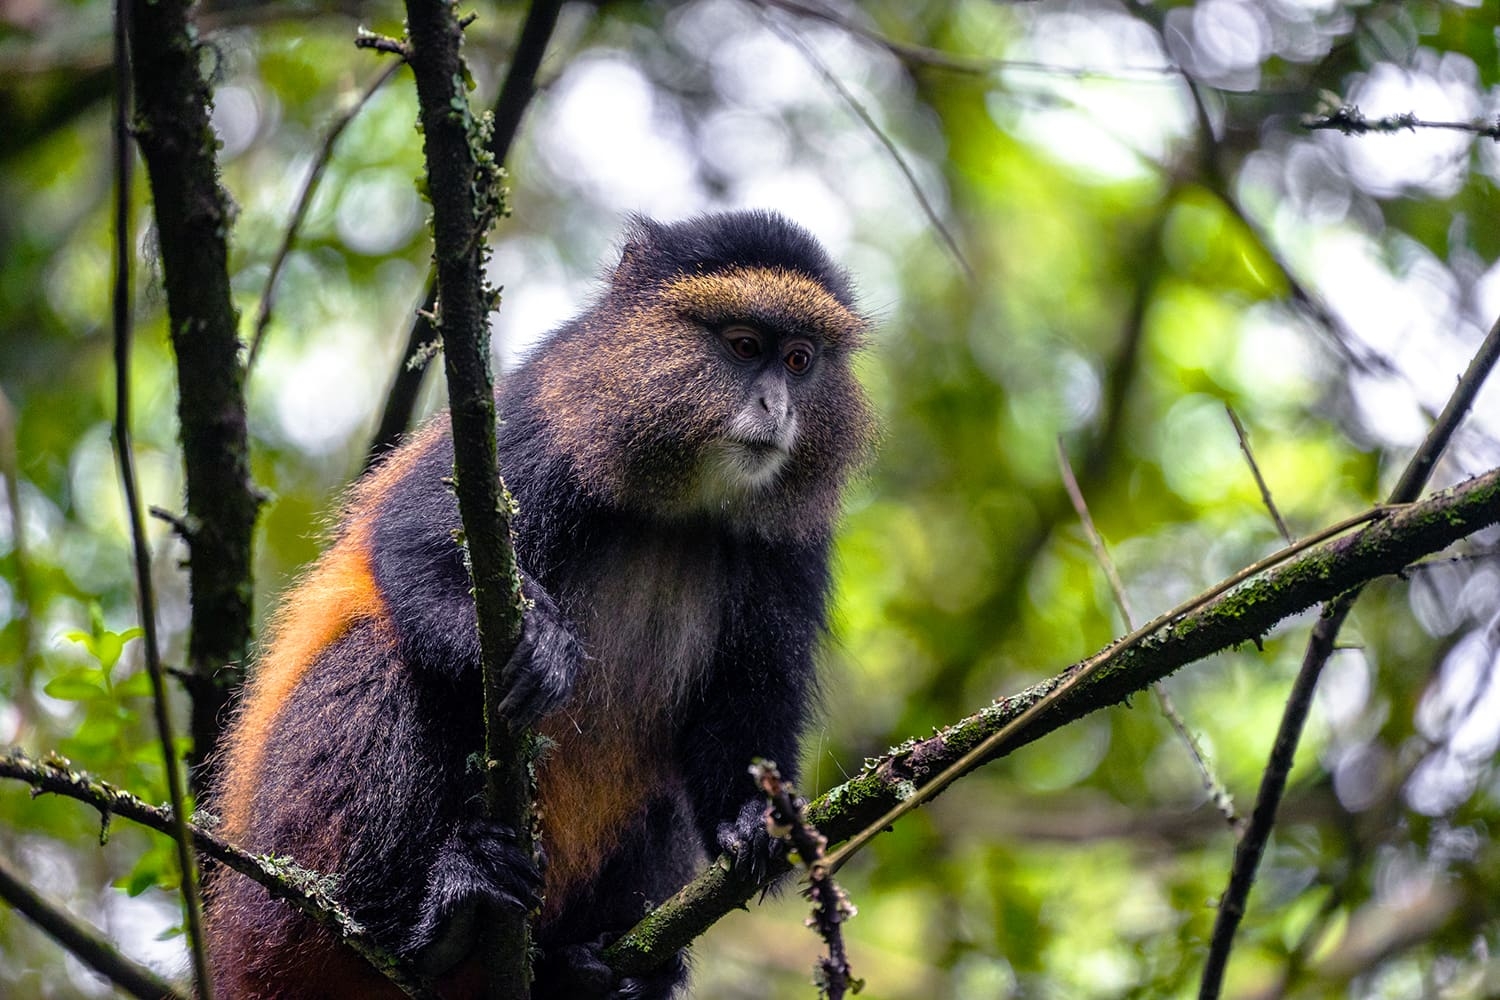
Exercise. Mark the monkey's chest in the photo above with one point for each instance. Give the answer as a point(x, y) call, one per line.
point(650, 616)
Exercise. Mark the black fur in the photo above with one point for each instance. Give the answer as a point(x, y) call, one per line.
point(713, 243)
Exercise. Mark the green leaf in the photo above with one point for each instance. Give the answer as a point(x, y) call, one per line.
point(79, 684)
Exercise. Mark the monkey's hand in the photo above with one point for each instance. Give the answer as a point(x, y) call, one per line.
point(479, 867)
point(539, 674)
point(748, 843)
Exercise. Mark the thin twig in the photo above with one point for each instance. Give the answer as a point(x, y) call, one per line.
point(831, 905)
point(837, 85)
point(1217, 791)
point(1260, 480)
point(145, 596)
point(282, 877)
point(304, 201)
point(82, 941)
point(1351, 121)
point(1320, 646)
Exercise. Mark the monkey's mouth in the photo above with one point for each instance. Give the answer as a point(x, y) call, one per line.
point(752, 462)
point(759, 449)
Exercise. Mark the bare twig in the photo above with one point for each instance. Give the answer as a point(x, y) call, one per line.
point(1217, 791)
point(304, 200)
point(281, 877)
point(366, 39)
point(145, 597)
point(82, 941)
point(1320, 646)
point(831, 905)
point(1351, 121)
point(1392, 539)
point(1260, 480)
point(837, 85)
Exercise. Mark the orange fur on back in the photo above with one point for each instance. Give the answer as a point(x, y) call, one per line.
point(338, 592)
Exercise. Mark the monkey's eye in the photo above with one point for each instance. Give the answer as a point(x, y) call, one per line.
point(798, 360)
point(743, 342)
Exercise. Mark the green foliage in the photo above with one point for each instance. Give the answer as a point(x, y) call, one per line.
point(1134, 271)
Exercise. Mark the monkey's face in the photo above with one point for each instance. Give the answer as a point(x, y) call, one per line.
point(767, 374)
point(727, 395)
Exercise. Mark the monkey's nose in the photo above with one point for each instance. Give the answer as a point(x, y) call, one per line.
point(775, 400)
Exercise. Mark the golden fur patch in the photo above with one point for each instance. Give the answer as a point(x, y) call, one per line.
point(338, 592)
point(774, 297)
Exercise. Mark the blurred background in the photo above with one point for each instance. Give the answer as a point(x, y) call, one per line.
point(1072, 218)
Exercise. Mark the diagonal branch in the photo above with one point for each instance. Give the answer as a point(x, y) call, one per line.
point(1243, 614)
point(1320, 646)
point(82, 941)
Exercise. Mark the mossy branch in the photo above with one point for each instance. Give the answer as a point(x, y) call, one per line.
point(308, 891)
point(466, 189)
point(1387, 545)
point(193, 218)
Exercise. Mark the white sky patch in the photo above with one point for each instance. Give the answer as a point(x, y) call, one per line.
point(320, 396)
point(603, 130)
point(236, 119)
point(764, 72)
point(378, 211)
point(1229, 37)
point(801, 194)
point(539, 295)
point(138, 924)
point(1407, 309)
point(1100, 126)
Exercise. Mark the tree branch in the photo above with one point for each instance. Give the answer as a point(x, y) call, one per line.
point(82, 941)
point(192, 222)
point(1243, 614)
point(510, 107)
point(465, 187)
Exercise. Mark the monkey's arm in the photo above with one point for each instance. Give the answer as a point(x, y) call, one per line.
point(418, 565)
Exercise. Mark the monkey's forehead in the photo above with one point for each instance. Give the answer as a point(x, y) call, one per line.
point(768, 298)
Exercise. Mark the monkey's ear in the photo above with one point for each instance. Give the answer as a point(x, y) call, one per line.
point(637, 255)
